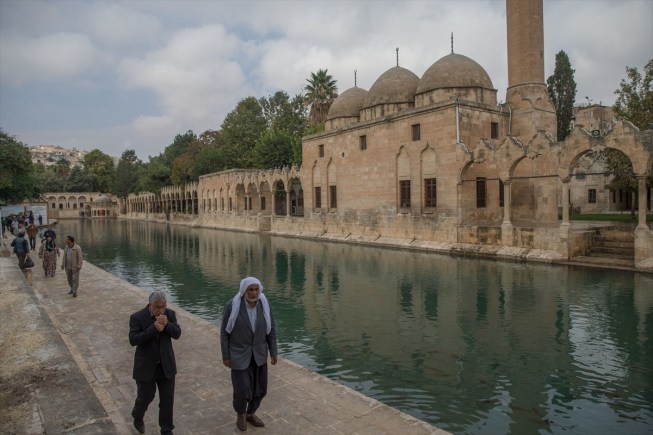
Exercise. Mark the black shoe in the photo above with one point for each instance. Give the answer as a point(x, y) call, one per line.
point(70, 292)
point(139, 425)
point(74, 295)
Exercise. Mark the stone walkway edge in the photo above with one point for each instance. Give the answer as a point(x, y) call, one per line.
point(84, 341)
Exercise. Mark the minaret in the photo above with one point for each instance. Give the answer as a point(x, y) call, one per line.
point(527, 95)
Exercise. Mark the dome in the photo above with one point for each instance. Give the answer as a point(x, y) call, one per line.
point(454, 71)
point(103, 199)
point(348, 104)
point(396, 85)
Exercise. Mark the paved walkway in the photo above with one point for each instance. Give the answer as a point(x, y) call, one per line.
point(81, 344)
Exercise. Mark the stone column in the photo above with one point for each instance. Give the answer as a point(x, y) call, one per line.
point(641, 210)
point(507, 200)
point(288, 202)
point(565, 201)
point(506, 225)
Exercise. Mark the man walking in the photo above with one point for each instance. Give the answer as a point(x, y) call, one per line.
point(72, 264)
point(151, 330)
point(32, 232)
point(247, 335)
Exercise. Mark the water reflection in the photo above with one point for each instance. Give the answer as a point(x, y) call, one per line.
point(472, 346)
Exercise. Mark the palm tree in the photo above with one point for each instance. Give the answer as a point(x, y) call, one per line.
point(321, 90)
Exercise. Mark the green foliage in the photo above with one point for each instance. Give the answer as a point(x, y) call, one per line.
point(321, 90)
point(18, 178)
point(82, 180)
point(177, 147)
point(604, 217)
point(101, 169)
point(127, 173)
point(49, 177)
point(240, 130)
point(210, 157)
point(275, 149)
point(635, 97)
point(562, 91)
point(284, 114)
point(154, 175)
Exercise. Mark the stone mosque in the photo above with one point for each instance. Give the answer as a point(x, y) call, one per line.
point(433, 163)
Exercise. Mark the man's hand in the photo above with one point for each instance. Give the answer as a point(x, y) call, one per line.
point(273, 359)
point(227, 362)
point(161, 322)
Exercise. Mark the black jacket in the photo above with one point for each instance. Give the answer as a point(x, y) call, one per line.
point(152, 345)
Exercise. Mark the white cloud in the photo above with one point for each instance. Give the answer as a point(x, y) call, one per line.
point(198, 58)
point(117, 24)
point(53, 57)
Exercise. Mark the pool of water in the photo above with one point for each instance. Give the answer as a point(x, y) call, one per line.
point(469, 345)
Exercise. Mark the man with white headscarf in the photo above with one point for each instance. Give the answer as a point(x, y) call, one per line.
point(247, 335)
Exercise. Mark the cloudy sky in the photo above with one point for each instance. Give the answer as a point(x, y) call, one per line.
point(118, 75)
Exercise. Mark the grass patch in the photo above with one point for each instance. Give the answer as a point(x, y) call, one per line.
point(613, 217)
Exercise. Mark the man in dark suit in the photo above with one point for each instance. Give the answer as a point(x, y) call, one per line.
point(247, 335)
point(151, 330)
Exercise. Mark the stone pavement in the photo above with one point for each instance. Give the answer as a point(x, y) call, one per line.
point(82, 345)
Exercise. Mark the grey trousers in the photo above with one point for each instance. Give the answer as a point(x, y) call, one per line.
point(73, 279)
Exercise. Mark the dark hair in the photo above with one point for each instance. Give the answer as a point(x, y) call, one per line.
point(71, 238)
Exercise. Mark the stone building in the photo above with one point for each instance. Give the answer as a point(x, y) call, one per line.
point(72, 205)
point(433, 162)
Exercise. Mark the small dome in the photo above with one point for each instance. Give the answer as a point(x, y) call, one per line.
point(103, 199)
point(348, 104)
point(396, 85)
point(454, 71)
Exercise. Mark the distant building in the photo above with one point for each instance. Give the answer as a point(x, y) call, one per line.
point(594, 118)
point(49, 155)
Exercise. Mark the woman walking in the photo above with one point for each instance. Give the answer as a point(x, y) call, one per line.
point(49, 253)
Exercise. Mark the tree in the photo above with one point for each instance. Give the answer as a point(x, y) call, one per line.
point(321, 90)
point(48, 177)
point(274, 149)
point(635, 97)
point(283, 114)
point(101, 169)
point(18, 180)
point(562, 91)
point(240, 130)
point(127, 173)
point(178, 147)
point(154, 175)
point(210, 157)
point(81, 180)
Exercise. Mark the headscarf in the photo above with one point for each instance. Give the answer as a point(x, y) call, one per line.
point(50, 244)
point(235, 303)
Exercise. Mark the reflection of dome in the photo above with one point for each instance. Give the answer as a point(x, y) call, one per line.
point(454, 71)
point(348, 104)
point(396, 85)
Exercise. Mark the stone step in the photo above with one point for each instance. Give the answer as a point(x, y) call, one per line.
point(603, 262)
point(621, 239)
point(613, 243)
point(623, 250)
point(612, 255)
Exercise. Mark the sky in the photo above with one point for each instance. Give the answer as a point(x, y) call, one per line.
point(116, 75)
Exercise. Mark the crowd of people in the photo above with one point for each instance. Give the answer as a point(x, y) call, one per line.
point(247, 333)
point(72, 258)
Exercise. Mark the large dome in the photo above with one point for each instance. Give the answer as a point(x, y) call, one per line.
point(348, 104)
point(454, 71)
point(396, 85)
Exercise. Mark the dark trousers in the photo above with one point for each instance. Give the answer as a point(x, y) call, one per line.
point(32, 243)
point(250, 387)
point(145, 395)
point(21, 259)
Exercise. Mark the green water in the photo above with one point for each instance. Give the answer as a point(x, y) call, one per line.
point(471, 346)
